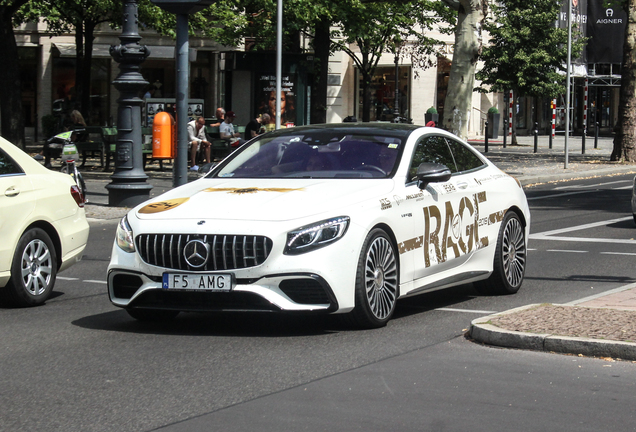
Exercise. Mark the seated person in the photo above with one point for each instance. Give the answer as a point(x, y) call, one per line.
point(317, 162)
point(226, 130)
point(196, 136)
point(220, 116)
point(256, 126)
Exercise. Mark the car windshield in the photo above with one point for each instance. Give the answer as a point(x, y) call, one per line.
point(315, 155)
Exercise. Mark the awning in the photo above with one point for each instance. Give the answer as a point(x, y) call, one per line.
point(103, 51)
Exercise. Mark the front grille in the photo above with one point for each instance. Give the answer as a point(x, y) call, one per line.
point(226, 252)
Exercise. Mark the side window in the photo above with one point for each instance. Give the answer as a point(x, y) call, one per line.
point(465, 159)
point(431, 148)
point(7, 165)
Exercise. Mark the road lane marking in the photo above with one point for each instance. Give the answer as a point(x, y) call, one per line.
point(551, 235)
point(618, 253)
point(560, 195)
point(566, 250)
point(67, 278)
point(95, 281)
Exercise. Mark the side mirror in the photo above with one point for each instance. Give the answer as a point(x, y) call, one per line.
point(430, 172)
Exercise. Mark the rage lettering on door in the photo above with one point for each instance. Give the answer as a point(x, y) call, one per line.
point(445, 228)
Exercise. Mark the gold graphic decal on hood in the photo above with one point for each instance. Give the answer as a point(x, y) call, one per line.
point(249, 190)
point(158, 207)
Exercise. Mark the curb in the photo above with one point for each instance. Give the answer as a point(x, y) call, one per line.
point(482, 331)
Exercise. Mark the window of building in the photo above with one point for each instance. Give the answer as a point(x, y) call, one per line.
point(383, 93)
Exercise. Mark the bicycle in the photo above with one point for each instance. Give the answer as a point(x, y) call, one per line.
point(69, 156)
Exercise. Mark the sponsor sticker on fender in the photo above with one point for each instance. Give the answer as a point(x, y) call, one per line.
point(455, 230)
point(161, 206)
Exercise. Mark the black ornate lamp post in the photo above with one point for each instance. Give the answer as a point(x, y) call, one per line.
point(128, 187)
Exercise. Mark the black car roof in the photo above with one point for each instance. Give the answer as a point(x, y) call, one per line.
point(389, 129)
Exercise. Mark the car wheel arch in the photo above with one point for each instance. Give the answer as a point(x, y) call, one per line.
point(519, 213)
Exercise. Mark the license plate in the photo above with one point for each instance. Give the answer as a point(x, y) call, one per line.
point(194, 281)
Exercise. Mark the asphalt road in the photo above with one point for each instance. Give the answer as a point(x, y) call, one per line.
point(80, 364)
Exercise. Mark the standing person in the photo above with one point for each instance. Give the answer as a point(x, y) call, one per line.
point(254, 127)
point(196, 136)
point(226, 130)
point(220, 117)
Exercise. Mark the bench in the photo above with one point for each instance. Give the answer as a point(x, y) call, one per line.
point(94, 144)
point(220, 147)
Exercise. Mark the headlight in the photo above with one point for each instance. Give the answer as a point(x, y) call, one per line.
point(124, 236)
point(315, 236)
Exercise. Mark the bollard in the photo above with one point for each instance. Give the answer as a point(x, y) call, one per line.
point(505, 133)
point(596, 135)
point(583, 140)
point(536, 137)
point(550, 141)
point(486, 140)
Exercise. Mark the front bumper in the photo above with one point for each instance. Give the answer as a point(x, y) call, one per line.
point(299, 292)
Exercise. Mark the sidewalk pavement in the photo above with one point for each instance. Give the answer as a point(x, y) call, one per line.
point(601, 326)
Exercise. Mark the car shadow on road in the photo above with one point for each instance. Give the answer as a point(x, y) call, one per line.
point(247, 324)
point(266, 324)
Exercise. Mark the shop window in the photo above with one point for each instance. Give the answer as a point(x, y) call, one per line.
point(383, 100)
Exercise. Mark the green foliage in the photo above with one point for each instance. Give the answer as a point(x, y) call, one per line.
point(431, 110)
point(526, 51)
point(493, 110)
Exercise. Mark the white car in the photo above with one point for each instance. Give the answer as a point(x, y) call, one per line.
point(340, 218)
point(43, 227)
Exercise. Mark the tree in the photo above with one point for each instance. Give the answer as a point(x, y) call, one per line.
point(625, 138)
point(378, 27)
point(81, 17)
point(11, 120)
point(526, 52)
point(468, 45)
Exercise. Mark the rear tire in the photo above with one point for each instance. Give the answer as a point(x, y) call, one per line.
point(509, 264)
point(377, 281)
point(33, 270)
point(152, 315)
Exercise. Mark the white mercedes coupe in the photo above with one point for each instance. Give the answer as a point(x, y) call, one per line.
point(341, 218)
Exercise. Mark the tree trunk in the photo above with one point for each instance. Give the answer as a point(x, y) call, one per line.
point(461, 82)
point(625, 138)
point(366, 88)
point(77, 93)
point(322, 44)
point(89, 36)
point(11, 119)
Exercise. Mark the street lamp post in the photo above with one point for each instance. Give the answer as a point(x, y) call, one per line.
point(182, 8)
point(128, 187)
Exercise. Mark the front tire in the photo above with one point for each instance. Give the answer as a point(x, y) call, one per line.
point(377, 281)
point(509, 264)
point(33, 270)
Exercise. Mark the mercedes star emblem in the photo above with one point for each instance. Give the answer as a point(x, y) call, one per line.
point(196, 253)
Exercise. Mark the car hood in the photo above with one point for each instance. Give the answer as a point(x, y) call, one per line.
point(258, 199)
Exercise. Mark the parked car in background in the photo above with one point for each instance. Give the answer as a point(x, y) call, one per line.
point(325, 218)
point(43, 227)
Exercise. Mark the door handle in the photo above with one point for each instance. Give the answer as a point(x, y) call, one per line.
point(462, 185)
point(12, 191)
